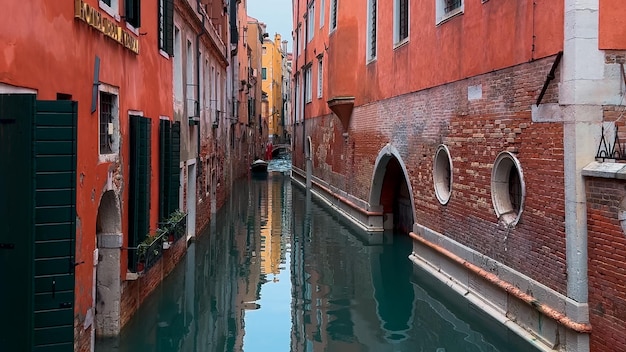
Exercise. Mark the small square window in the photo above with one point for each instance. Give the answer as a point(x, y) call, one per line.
point(108, 124)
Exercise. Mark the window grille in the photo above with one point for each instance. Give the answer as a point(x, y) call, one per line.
point(452, 5)
point(373, 29)
point(403, 25)
point(106, 120)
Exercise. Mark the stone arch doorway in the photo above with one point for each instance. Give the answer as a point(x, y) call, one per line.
point(391, 191)
point(107, 282)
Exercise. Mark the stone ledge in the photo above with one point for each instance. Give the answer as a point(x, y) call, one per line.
point(491, 298)
point(605, 170)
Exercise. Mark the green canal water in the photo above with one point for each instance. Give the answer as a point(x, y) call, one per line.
point(276, 271)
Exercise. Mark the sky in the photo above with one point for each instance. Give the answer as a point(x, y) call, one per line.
point(276, 14)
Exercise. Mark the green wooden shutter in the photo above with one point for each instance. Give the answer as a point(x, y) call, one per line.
point(173, 194)
point(55, 225)
point(17, 218)
point(165, 151)
point(168, 21)
point(139, 202)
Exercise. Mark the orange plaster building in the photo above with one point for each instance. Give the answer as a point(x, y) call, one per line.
point(105, 65)
point(475, 127)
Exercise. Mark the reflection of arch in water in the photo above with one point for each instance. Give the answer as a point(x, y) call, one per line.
point(392, 190)
point(394, 293)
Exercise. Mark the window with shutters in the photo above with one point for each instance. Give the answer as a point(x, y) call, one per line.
point(139, 193)
point(132, 12)
point(264, 73)
point(371, 28)
point(401, 21)
point(166, 26)
point(108, 126)
point(444, 9)
point(169, 169)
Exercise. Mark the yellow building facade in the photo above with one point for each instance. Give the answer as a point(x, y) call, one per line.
point(272, 76)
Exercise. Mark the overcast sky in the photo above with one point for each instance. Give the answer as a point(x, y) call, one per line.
point(276, 14)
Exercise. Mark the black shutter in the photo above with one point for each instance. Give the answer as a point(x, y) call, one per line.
point(168, 24)
point(132, 10)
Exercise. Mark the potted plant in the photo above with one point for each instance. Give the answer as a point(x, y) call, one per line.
point(176, 223)
point(142, 251)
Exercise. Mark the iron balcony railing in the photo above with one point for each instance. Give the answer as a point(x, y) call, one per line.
point(151, 250)
point(611, 148)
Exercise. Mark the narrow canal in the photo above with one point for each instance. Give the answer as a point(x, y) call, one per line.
point(275, 271)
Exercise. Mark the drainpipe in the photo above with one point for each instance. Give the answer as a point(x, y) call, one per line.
point(202, 32)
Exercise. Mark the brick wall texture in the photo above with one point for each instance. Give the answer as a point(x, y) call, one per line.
point(475, 132)
point(607, 263)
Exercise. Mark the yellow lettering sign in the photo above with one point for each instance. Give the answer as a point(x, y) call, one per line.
point(94, 18)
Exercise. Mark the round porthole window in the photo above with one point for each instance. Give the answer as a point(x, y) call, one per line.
point(442, 174)
point(507, 188)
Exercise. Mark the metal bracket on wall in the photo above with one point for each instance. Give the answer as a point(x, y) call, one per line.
point(550, 76)
point(96, 84)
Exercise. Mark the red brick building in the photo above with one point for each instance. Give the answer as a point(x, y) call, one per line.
point(474, 125)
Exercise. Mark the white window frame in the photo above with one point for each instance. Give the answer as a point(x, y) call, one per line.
point(333, 14)
point(440, 11)
point(308, 85)
point(115, 112)
point(113, 10)
point(371, 23)
point(396, 23)
point(322, 3)
point(320, 77)
point(310, 21)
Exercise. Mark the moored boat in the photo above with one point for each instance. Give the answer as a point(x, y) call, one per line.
point(259, 166)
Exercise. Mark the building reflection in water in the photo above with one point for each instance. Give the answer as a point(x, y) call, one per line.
point(275, 271)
